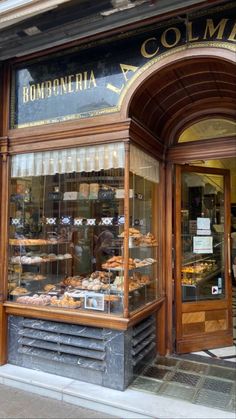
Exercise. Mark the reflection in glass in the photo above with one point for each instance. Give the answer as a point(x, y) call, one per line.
point(202, 226)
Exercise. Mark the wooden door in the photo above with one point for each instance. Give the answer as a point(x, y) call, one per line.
point(203, 299)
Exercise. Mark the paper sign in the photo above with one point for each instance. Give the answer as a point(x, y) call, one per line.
point(203, 223)
point(202, 244)
point(94, 301)
point(203, 232)
point(215, 289)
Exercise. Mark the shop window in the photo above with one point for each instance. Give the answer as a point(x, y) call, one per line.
point(208, 128)
point(67, 229)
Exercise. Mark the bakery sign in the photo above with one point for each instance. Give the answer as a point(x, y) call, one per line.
point(92, 79)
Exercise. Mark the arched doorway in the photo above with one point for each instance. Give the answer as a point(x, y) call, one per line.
point(176, 93)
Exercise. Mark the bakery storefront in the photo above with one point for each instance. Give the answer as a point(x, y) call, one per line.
point(115, 204)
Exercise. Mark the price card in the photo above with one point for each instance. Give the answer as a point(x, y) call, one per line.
point(202, 244)
point(94, 301)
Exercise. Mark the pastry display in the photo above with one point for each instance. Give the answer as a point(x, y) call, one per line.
point(65, 301)
point(19, 291)
point(39, 300)
point(135, 282)
point(133, 232)
point(139, 263)
point(91, 283)
point(28, 242)
point(118, 262)
point(11, 286)
point(74, 281)
point(77, 260)
point(111, 297)
point(145, 240)
point(188, 281)
point(199, 268)
point(105, 277)
point(48, 287)
point(30, 260)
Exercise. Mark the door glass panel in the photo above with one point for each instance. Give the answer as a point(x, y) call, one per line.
point(202, 234)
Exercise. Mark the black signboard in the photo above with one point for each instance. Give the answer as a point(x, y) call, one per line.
point(90, 80)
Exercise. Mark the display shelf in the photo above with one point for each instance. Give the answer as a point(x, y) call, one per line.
point(40, 262)
point(68, 206)
point(35, 242)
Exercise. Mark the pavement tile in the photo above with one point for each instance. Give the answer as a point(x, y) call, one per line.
point(177, 391)
point(15, 403)
point(212, 399)
point(218, 385)
point(227, 373)
point(146, 384)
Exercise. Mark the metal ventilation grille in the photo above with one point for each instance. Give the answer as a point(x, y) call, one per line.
point(143, 339)
point(68, 344)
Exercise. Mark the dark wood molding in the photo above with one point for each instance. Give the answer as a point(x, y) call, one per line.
point(202, 109)
point(146, 140)
point(79, 317)
point(201, 306)
point(64, 135)
point(3, 336)
point(167, 261)
point(5, 99)
point(202, 150)
point(213, 340)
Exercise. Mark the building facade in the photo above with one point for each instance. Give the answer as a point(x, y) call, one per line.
point(118, 197)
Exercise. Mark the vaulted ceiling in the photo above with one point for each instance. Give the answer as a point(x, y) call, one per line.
point(182, 93)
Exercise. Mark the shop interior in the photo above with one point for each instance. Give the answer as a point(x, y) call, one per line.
point(203, 196)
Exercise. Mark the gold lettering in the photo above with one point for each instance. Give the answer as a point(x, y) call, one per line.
point(212, 30)
point(78, 82)
point(114, 88)
point(32, 92)
point(48, 88)
point(190, 32)
point(40, 91)
point(144, 51)
point(177, 37)
point(126, 68)
point(63, 85)
point(232, 36)
point(63, 82)
point(56, 84)
point(25, 94)
point(92, 80)
point(70, 86)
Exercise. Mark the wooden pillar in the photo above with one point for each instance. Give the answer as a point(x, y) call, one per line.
point(126, 237)
point(4, 195)
point(168, 257)
point(161, 330)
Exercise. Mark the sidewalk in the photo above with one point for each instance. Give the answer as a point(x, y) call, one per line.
point(16, 403)
point(132, 403)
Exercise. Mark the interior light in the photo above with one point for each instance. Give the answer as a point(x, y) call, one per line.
point(32, 30)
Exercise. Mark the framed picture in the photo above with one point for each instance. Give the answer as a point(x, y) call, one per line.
point(94, 301)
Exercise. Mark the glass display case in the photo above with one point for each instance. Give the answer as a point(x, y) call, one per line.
point(71, 245)
point(202, 225)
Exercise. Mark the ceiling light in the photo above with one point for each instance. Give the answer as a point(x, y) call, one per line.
point(33, 30)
